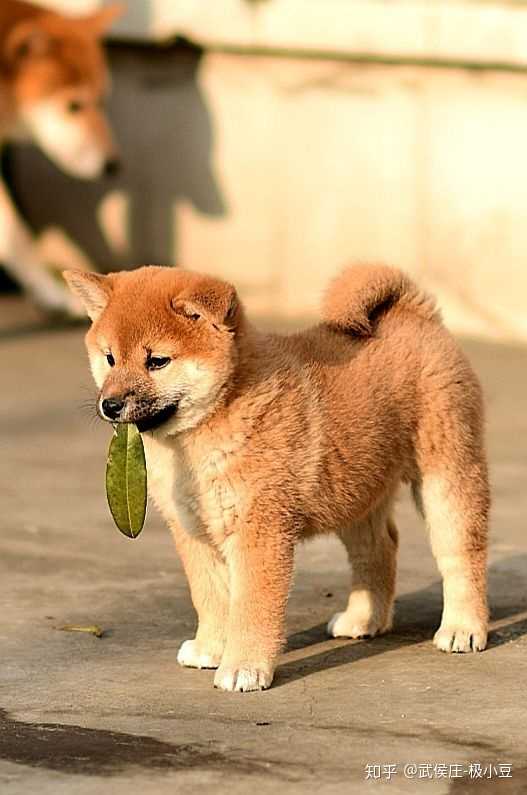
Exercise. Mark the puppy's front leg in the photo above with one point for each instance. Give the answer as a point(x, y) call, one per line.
point(209, 588)
point(260, 563)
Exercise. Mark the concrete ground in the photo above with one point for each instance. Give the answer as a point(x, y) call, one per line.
point(117, 714)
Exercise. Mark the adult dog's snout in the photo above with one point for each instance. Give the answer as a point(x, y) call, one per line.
point(112, 167)
point(111, 408)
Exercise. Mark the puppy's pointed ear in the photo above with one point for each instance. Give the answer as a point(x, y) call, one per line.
point(100, 21)
point(215, 301)
point(25, 40)
point(92, 289)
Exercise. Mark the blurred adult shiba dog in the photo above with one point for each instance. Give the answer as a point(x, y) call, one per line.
point(255, 441)
point(53, 77)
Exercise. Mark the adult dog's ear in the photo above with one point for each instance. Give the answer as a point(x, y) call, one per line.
point(212, 300)
point(92, 289)
point(25, 40)
point(100, 21)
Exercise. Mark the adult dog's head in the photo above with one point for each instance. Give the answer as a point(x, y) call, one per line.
point(162, 345)
point(55, 77)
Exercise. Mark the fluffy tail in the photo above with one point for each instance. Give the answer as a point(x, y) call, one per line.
point(362, 293)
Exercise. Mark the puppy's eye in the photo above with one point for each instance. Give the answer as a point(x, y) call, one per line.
point(157, 362)
point(110, 359)
point(75, 106)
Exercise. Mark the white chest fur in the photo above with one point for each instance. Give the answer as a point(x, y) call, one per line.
point(195, 487)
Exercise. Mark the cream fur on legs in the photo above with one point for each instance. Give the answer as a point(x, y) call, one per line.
point(372, 551)
point(209, 587)
point(458, 539)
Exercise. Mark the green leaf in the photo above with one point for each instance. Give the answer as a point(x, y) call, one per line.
point(126, 480)
point(92, 629)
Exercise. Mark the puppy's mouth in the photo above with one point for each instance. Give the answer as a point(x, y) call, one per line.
point(156, 419)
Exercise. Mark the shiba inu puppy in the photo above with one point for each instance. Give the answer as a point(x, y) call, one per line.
point(256, 441)
point(53, 78)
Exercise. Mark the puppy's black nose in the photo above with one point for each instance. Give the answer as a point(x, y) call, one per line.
point(112, 407)
point(112, 167)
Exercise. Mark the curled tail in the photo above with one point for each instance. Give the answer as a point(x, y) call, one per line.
point(360, 294)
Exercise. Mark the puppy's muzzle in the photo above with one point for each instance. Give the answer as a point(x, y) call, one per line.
point(118, 409)
point(112, 408)
point(157, 418)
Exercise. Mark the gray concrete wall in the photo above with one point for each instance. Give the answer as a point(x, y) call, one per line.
point(275, 170)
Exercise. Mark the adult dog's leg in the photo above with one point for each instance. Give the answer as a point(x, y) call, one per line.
point(19, 256)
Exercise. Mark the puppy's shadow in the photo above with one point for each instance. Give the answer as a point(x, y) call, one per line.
point(417, 616)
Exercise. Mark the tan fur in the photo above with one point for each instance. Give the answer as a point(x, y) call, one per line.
point(277, 438)
point(43, 53)
point(53, 77)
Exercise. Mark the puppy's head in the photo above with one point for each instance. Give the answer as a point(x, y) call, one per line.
point(162, 344)
point(57, 79)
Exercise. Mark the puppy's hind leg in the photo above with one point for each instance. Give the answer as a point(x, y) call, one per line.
point(455, 506)
point(372, 551)
point(453, 492)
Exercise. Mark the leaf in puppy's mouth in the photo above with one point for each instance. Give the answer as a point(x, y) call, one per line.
point(126, 480)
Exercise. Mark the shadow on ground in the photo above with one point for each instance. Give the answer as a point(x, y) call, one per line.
point(96, 752)
point(418, 614)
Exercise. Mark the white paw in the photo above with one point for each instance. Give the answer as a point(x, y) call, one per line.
point(344, 625)
point(452, 638)
point(191, 656)
point(242, 678)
